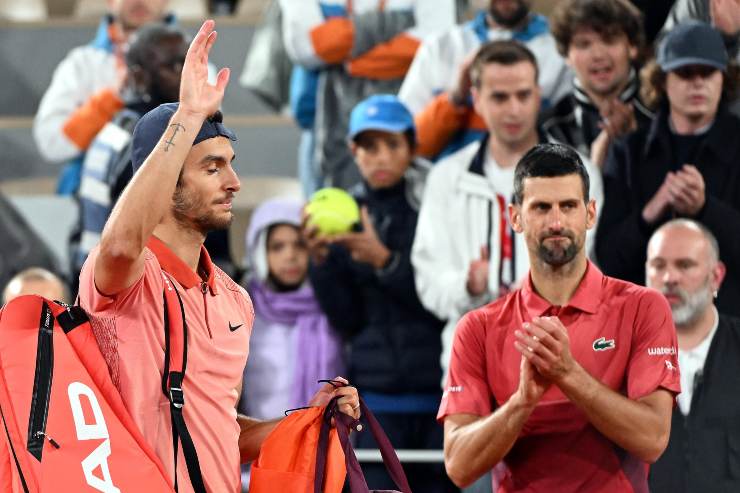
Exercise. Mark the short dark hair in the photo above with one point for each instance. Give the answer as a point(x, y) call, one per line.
point(549, 160)
point(606, 17)
point(507, 52)
point(145, 41)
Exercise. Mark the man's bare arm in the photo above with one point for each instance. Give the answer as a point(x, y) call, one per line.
point(474, 445)
point(148, 197)
point(641, 426)
point(252, 432)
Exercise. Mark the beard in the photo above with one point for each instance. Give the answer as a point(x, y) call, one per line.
point(509, 19)
point(692, 305)
point(186, 207)
point(558, 255)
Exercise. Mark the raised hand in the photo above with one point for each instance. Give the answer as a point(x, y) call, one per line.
point(197, 95)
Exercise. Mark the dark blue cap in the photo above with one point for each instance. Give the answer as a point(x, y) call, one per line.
point(692, 43)
point(152, 125)
point(380, 112)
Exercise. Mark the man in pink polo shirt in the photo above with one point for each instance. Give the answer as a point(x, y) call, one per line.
point(182, 188)
point(557, 380)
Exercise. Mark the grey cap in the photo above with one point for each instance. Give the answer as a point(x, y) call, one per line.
point(692, 43)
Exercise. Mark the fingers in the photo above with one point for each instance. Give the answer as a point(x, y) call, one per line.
point(531, 346)
point(199, 41)
point(209, 43)
point(484, 254)
point(222, 79)
point(552, 326)
point(349, 399)
point(365, 217)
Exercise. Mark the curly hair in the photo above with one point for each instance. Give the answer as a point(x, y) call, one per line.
point(653, 80)
point(609, 18)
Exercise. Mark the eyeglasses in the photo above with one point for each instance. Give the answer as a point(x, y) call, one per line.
point(688, 72)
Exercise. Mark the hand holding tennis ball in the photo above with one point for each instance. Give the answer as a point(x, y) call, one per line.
point(332, 211)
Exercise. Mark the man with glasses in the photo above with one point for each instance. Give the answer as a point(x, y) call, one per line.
point(683, 165)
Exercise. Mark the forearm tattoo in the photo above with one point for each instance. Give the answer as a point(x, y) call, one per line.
point(169, 143)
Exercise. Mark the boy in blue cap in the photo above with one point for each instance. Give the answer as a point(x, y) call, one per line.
point(365, 283)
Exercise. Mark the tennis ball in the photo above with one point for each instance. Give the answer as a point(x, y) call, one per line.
point(333, 211)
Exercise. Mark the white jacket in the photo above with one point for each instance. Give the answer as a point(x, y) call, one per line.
point(436, 63)
point(300, 17)
point(85, 71)
point(452, 227)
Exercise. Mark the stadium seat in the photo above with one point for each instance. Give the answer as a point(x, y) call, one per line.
point(23, 10)
point(183, 9)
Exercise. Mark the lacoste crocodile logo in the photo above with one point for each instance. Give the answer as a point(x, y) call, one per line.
point(601, 344)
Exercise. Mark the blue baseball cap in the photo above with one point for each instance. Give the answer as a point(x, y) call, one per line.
point(381, 112)
point(692, 43)
point(152, 126)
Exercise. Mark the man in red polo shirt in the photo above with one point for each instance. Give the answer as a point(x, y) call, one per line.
point(557, 380)
point(182, 188)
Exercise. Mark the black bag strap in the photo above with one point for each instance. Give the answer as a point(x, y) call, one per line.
point(175, 361)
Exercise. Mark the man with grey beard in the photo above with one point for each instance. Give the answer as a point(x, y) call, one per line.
point(683, 262)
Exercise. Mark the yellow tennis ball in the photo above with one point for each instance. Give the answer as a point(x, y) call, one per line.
point(332, 211)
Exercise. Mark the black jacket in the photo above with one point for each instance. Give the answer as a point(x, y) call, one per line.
point(633, 172)
point(703, 453)
point(574, 119)
point(395, 342)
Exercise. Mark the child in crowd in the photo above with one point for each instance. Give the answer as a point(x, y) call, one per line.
point(365, 284)
point(292, 345)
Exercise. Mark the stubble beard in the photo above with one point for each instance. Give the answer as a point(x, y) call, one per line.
point(558, 256)
point(692, 305)
point(183, 206)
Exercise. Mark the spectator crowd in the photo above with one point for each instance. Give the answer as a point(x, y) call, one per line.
point(422, 111)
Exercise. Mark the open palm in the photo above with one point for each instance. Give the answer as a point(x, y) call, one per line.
point(197, 95)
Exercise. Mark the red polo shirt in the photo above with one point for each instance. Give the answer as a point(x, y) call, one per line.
point(130, 330)
point(615, 328)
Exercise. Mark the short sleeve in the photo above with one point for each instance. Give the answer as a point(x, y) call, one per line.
point(653, 359)
point(95, 302)
point(467, 390)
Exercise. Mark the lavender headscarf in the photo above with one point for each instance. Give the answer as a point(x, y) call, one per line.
point(319, 350)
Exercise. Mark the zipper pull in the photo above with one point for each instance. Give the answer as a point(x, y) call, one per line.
point(53, 443)
point(203, 287)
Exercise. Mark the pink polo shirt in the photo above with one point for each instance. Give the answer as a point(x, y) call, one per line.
point(621, 333)
point(130, 331)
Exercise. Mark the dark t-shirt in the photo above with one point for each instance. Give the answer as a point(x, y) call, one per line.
point(685, 148)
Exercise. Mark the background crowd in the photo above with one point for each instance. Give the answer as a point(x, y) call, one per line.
point(421, 110)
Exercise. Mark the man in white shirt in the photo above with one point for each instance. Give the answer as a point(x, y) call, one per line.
point(683, 262)
point(437, 86)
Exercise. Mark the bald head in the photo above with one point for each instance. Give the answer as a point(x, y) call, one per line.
point(683, 263)
point(36, 281)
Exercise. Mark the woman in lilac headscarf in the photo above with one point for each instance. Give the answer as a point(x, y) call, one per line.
point(292, 345)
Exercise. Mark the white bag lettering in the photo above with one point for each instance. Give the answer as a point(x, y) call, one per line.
point(96, 430)
point(99, 457)
point(85, 431)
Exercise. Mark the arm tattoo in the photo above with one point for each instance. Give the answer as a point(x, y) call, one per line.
point(168, 143)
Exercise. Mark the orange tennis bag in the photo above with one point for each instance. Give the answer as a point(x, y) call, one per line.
point(63, 424)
